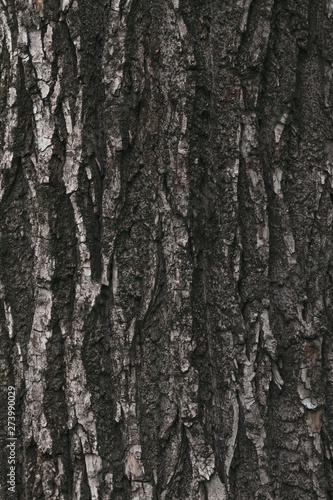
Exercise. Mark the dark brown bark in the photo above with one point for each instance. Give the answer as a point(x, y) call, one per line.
point(166, 249)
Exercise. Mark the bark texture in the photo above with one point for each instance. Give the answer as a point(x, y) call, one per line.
point(166, 248)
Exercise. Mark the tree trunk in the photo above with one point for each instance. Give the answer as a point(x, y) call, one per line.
point(166, 249)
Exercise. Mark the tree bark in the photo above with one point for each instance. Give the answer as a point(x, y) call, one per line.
point(166, 248)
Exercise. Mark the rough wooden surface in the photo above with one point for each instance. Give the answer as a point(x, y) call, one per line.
point(166, 248)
